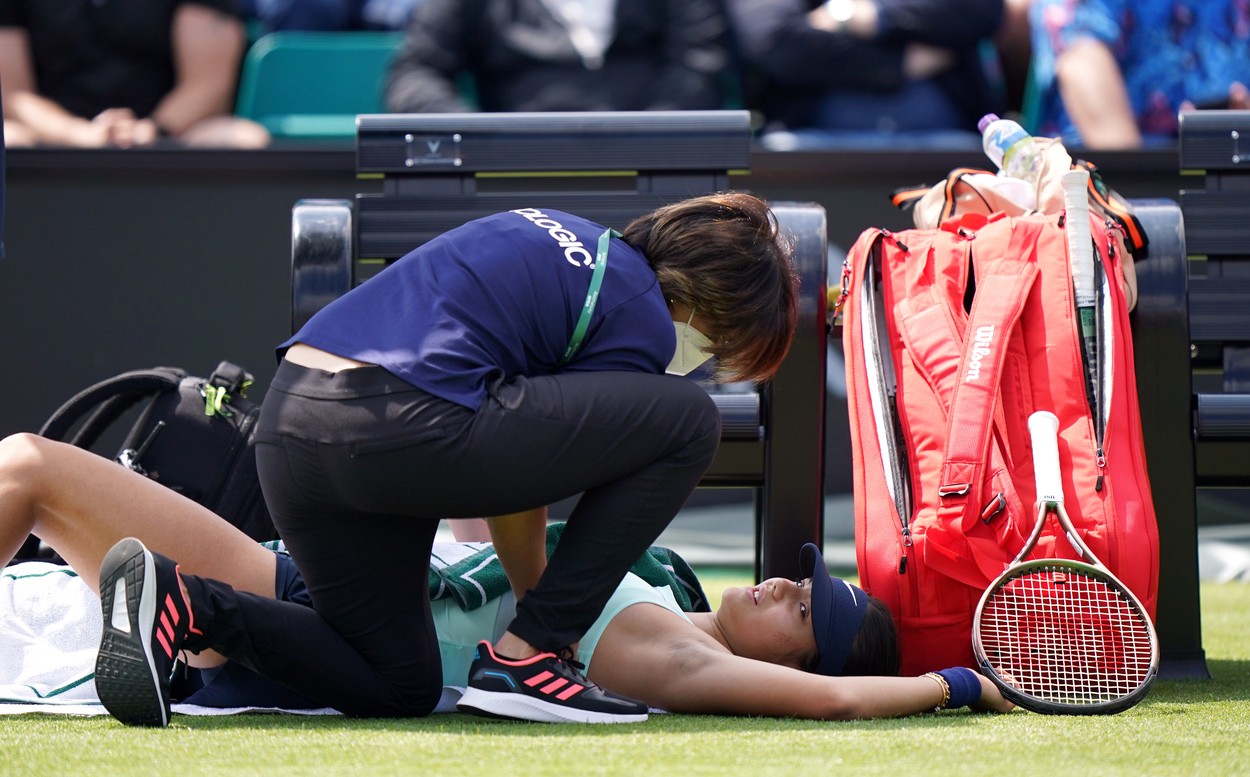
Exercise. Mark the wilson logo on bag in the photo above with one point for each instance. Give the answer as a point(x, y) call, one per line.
point(980, 349)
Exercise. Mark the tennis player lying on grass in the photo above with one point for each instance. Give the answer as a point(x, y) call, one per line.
point(781, 648)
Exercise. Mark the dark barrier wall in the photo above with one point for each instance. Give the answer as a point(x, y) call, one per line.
point(126, 259)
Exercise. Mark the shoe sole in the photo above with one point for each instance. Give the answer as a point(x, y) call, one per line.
point(515, 706)
point(126, 679)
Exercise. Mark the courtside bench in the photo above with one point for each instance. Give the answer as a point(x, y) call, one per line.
point(1161, 350)
point(1215, 156)
point(440, 170)
point(1192, 337)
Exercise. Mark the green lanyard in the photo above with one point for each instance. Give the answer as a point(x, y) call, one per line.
point(592, 295)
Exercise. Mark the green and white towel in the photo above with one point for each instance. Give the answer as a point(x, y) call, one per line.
point(471, 573)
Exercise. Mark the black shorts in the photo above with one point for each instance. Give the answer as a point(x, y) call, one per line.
point(234, 685)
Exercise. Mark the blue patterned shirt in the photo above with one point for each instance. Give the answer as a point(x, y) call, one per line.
point(1169, 51)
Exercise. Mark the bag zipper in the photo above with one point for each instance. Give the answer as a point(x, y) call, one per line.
point(1106, 347)
point(885, 401)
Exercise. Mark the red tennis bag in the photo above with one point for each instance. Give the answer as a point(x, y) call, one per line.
point(953, 337)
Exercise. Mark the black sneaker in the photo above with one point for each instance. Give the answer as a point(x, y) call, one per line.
point(146, 620)
point(545, 688)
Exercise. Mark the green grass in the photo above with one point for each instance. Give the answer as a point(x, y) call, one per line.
point(1182, 728)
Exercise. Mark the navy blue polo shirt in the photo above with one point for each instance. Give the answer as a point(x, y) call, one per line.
point(499, 297)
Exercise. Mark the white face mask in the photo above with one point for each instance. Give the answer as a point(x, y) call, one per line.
point(690, 352)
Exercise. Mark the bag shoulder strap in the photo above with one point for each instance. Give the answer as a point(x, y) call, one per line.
point(1002, 290)
point(905, 198)
point(104, 402)
point(962, 360)
point(1114, 208)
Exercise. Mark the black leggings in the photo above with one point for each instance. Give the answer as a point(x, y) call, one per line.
point(357, 467)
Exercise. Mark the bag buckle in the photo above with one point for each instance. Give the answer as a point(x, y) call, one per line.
point(215, 400)
point(129, 458)
point(954, 489)
point(996, 506)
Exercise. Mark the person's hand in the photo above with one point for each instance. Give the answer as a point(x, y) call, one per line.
point(921, 61)
point(143, 132)
point(95, 133)
point(860, 18)
point(991, 698)
point(1238, 96)
point(126, 131)
point(118, 127)
point(1238, 100)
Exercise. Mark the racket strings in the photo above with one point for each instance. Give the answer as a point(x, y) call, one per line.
point(1066, 636)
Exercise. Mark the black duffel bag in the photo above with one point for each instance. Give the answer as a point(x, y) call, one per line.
point(193, 436)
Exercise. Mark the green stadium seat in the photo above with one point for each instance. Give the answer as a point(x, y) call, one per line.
point(311, 85)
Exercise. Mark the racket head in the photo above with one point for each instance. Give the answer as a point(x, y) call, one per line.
point(1064, 637)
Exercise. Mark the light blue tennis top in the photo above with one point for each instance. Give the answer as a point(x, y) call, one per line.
point(460, 631)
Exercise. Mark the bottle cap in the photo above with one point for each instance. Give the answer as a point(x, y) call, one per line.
point(986, 121)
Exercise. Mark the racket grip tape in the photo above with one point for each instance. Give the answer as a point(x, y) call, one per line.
point(1080, 249)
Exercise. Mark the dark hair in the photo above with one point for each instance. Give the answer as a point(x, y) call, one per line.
point(724, 256)
point(875, 649)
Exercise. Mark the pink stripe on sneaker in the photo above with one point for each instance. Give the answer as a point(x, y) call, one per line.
point(167, 630)
point(554, 685)
point(171, 608)
point(169, 650)
point(572, 690)
point(541, 677)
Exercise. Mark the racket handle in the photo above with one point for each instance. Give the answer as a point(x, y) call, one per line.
point(1044, 433)
point(1080, 251)
point(1081, 261)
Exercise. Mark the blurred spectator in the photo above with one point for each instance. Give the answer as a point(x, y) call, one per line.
point(1115, 73)
point(560, 55)
point(1015, 52)
point(385, 14)
point(327, 15)
point(1, 183)
point(102, 73)
point(318, 15)
point(877, 71)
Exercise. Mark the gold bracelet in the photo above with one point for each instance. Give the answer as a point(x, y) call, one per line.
point(946, 689)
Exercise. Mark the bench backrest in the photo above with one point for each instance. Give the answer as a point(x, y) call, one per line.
point(1215, 152)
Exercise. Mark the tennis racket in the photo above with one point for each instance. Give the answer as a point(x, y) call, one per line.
point(1057, 635)
point(1081, 261)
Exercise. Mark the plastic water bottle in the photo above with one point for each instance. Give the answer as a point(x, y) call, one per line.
point(1010, 147)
